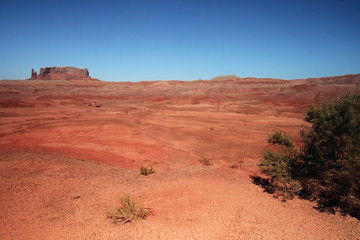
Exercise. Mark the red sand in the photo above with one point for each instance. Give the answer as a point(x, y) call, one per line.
point(64, 162)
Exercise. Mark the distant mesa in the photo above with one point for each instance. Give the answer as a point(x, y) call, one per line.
point(61, 73)
point(226, 77)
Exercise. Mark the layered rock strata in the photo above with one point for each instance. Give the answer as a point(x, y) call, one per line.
point(60, 73)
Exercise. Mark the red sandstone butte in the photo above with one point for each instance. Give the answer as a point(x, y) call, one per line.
point(60, 73)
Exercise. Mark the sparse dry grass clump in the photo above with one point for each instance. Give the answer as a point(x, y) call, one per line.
point(205, 161)
point(127, 212)
point(146, 171)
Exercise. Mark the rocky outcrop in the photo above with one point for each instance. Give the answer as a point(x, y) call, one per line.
point(60, 73)
point(33, 74)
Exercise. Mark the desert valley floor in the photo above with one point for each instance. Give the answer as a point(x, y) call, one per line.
point(70, 149)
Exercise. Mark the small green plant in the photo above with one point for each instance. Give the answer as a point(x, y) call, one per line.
point(205, 161)
point(278, 164)
point(127, 212)
point(281, 138)
point(146, 171)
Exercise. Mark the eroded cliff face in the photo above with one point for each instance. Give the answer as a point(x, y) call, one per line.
point(60, 73)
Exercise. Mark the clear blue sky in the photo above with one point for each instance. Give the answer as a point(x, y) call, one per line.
point(132, 40)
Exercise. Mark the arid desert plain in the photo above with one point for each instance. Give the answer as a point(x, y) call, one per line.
point(70, 148)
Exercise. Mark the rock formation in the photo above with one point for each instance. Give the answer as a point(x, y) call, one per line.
point(60, 73)
point(33, 74)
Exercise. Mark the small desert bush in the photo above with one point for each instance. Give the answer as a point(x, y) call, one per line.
point(205, 161)
point(327, 167)
point(281, 138)
point(146, 171)
point(279, 164)
point(127, 212)
point(331, 153)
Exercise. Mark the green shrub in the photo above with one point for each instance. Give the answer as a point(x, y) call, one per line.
point(281, 138)
point(279, 164)
point(127, 212)
point(146, 171)
point(331, 154)
point(328, 166)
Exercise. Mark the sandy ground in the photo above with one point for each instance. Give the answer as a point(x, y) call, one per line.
point(51, 197)
point(63, 163)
